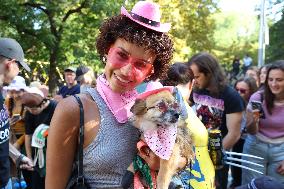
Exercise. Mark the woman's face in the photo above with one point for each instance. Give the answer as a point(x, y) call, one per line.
point(262, 75)
point(276, 82)
point(127, 65)
point(243, 89)
point(201, 81)
point(253, 74)
point(16, 94)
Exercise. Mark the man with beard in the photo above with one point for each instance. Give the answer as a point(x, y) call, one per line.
point(11, 59)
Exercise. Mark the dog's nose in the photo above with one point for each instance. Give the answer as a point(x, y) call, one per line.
point(175, 117)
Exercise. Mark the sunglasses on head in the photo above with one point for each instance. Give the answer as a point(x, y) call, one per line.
point(240, 90)
point(119, 58)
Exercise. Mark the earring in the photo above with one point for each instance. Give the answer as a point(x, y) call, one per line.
point(104, 58)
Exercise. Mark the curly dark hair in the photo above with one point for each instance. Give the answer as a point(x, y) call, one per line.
point(178, 73)
point(122, 27)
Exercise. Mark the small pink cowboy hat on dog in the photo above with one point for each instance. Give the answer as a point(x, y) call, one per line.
point(148, 15)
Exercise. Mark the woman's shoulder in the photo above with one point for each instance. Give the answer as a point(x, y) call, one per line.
point(71, 105)
point(257, 96)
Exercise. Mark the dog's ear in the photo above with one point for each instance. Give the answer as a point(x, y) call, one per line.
point(139, 107)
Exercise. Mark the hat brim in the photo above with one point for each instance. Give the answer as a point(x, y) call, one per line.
point(25, 66)
point(155, 91)
point(162, 28)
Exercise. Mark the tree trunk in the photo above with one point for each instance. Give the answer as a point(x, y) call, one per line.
point(52, 83)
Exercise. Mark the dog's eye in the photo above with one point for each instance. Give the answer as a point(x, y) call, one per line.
point(175, 105)
point(162, 106)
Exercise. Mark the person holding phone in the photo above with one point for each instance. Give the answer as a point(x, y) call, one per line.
point(265, 120)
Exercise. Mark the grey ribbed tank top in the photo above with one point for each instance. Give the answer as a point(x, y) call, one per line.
point(111, 152)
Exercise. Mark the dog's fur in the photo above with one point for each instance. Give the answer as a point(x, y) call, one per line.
point(148, 116)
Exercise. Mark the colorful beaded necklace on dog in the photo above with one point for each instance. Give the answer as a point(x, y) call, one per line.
point(143, 171)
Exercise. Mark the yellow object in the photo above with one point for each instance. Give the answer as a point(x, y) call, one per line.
point(202, 172)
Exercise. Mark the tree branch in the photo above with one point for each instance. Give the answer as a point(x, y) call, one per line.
point(49, 16)
point(71, 11)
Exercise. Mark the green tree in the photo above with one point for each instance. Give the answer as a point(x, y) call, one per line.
point(276, 44)
point(57, 32)
point(192, 25)
point(235, 35)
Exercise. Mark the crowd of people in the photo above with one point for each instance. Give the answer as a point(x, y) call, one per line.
point(40, 134)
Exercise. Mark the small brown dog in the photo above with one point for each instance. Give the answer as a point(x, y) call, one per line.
point(160, 109)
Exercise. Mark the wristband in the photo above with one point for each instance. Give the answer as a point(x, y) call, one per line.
point(19, 160)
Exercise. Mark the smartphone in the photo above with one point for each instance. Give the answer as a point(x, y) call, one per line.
point(257, 105)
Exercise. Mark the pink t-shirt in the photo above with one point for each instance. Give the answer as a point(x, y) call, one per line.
point(273, 125)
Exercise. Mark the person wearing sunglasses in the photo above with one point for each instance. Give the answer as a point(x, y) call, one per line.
point(134, 46)
point(245, 87)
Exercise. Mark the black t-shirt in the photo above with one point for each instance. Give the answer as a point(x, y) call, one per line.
point(4, 144)
point(212, 111)
point(65, 91)
point(33, 121)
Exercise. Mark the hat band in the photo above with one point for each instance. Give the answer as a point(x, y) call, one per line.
point(144, 20)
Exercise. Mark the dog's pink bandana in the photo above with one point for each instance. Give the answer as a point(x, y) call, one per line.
point(161, 140)
point(118, 103)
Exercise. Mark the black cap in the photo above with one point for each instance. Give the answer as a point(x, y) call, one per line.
point(263, 182)
point(81, 70)
point(10, 48)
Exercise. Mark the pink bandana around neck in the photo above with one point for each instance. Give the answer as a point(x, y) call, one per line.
point(118, 103)
point(162, 140)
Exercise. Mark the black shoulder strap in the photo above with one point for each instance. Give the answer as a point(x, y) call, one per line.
point(81, 142)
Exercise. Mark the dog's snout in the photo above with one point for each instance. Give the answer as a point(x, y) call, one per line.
point(176, 115)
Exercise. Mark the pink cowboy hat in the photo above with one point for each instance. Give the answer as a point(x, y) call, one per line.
point(148, 15)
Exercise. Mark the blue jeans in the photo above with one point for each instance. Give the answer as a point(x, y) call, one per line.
point(273, 154)
point(9, 185)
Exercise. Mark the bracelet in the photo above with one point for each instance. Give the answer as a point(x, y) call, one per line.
point(19, 160)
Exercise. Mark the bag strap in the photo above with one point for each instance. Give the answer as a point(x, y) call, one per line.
point(80, 178)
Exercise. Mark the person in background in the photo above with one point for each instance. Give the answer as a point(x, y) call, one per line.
point(253, 72)
point(245, 87)
point(71, 87)
point(247, 62)
point(217, 104)
point(85, 76)
point(16, 110)
point(236, 66)
point(39, 111)
point(134, 46)
point(181, 76)
point(262, 76)
point(11, 59)
point(17, 124)
point(265, 129)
